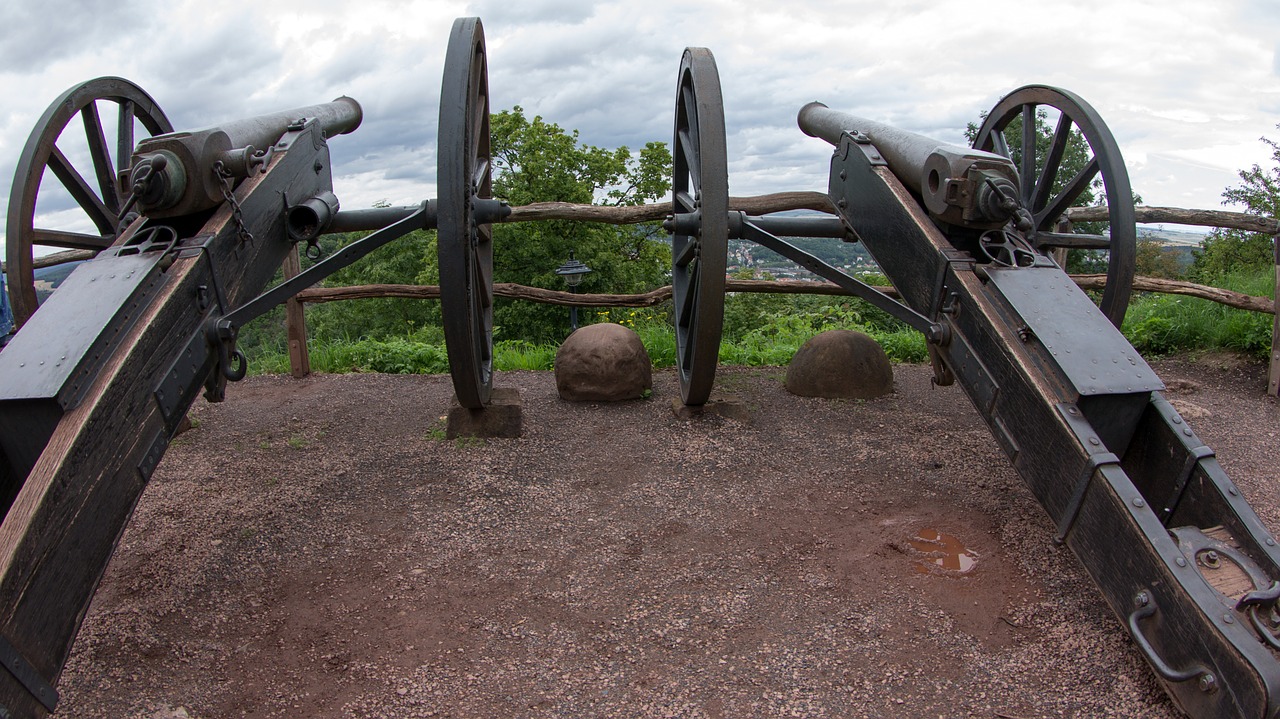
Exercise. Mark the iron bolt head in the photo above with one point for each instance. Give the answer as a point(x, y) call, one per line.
point(1142, 599)
point(1208, 683)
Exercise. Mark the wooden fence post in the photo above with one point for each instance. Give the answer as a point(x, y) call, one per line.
point(295, 323)
point(1273, 378)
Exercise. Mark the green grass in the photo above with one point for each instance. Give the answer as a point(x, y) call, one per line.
point(769, 346)
point(1156, 325)
point(1159, 324)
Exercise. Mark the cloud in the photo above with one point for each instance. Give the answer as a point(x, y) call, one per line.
point(1198, 92)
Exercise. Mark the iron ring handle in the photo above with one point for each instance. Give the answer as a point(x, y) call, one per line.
point(237, 368)
point(1146, 608)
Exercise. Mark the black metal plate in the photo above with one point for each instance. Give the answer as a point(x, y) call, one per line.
point(57, 353)
point(1089, 350)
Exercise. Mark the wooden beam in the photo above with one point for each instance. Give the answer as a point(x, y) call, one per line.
point(631, 214)
point(1230, 298)
point(295, 323)
point(63, 526)
point(511, 290)
point(1273, 376)
point(1180, 216)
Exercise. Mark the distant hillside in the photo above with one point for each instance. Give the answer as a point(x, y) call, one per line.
point(1180, 243)
point(1189, 238)
point(48, 279)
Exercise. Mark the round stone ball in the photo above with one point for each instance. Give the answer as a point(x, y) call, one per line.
point(603, 362)
point(840, 364)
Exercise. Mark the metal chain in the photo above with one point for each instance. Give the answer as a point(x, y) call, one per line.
point(224, 181)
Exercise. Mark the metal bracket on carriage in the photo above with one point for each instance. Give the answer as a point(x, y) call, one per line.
point(1241, 583)
point(245, 161)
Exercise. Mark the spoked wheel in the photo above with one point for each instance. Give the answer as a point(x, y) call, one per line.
point(465, 246)
point(80, 212)
point(700, 204)
point(1059, 171)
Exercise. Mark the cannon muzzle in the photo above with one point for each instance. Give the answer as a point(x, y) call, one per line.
point(182, 172)
point(958, 185)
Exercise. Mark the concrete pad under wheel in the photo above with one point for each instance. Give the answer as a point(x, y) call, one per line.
point(722, 406)
point(502, 418)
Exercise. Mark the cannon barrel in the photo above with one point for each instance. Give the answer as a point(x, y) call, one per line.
point(959, 185)
point(179, 173)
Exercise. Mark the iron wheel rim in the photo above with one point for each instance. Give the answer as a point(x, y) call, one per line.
point(1035, 188)
point(465, 247)
point(699, 185)
point(101, 203)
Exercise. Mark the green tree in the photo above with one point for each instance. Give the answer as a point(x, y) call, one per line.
point(537, 161)
point(1227, 251)
point(1154, 260)
point(401, 262)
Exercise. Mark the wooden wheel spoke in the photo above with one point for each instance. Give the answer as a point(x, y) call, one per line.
point(1069, 194)
point(999, 144)
point(689, 302)
point(689, 111)
point(1052, 162)
point(1027, 171)
point(480, 173)
point(686, 253)
point(477, 125)
point(695, 133)
point(124, 135)
point(1072, 241)
point(71, 240)
point(97, 140)
point(1081, 145)
point(690, 349)
point(84, 195)
point(483, 273)
point(94, 190)
point(689, 153)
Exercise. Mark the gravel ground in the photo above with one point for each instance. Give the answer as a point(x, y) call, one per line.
point(315, 548)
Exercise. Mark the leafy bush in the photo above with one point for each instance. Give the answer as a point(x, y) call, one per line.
point(1163, 324)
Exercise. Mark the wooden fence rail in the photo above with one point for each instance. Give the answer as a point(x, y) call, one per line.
point(785, 201)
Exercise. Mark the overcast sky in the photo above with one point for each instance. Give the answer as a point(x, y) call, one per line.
point(1187, 86)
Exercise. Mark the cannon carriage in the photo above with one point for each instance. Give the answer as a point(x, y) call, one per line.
point(193, 224)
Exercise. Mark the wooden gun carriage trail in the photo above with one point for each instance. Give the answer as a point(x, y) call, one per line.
point(192, 226)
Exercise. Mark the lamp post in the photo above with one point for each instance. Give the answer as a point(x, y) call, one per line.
point(572, 272)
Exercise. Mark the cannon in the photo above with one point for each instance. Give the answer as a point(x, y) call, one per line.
point(192, 227)
point(967, 237)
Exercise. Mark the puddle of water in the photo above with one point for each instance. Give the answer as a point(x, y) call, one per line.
point(942, 551)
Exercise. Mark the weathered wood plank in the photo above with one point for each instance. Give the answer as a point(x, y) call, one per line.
point(295, 322)
point(60, 533)
point(511, 290)
point(632, 214)
point(1181, 216)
